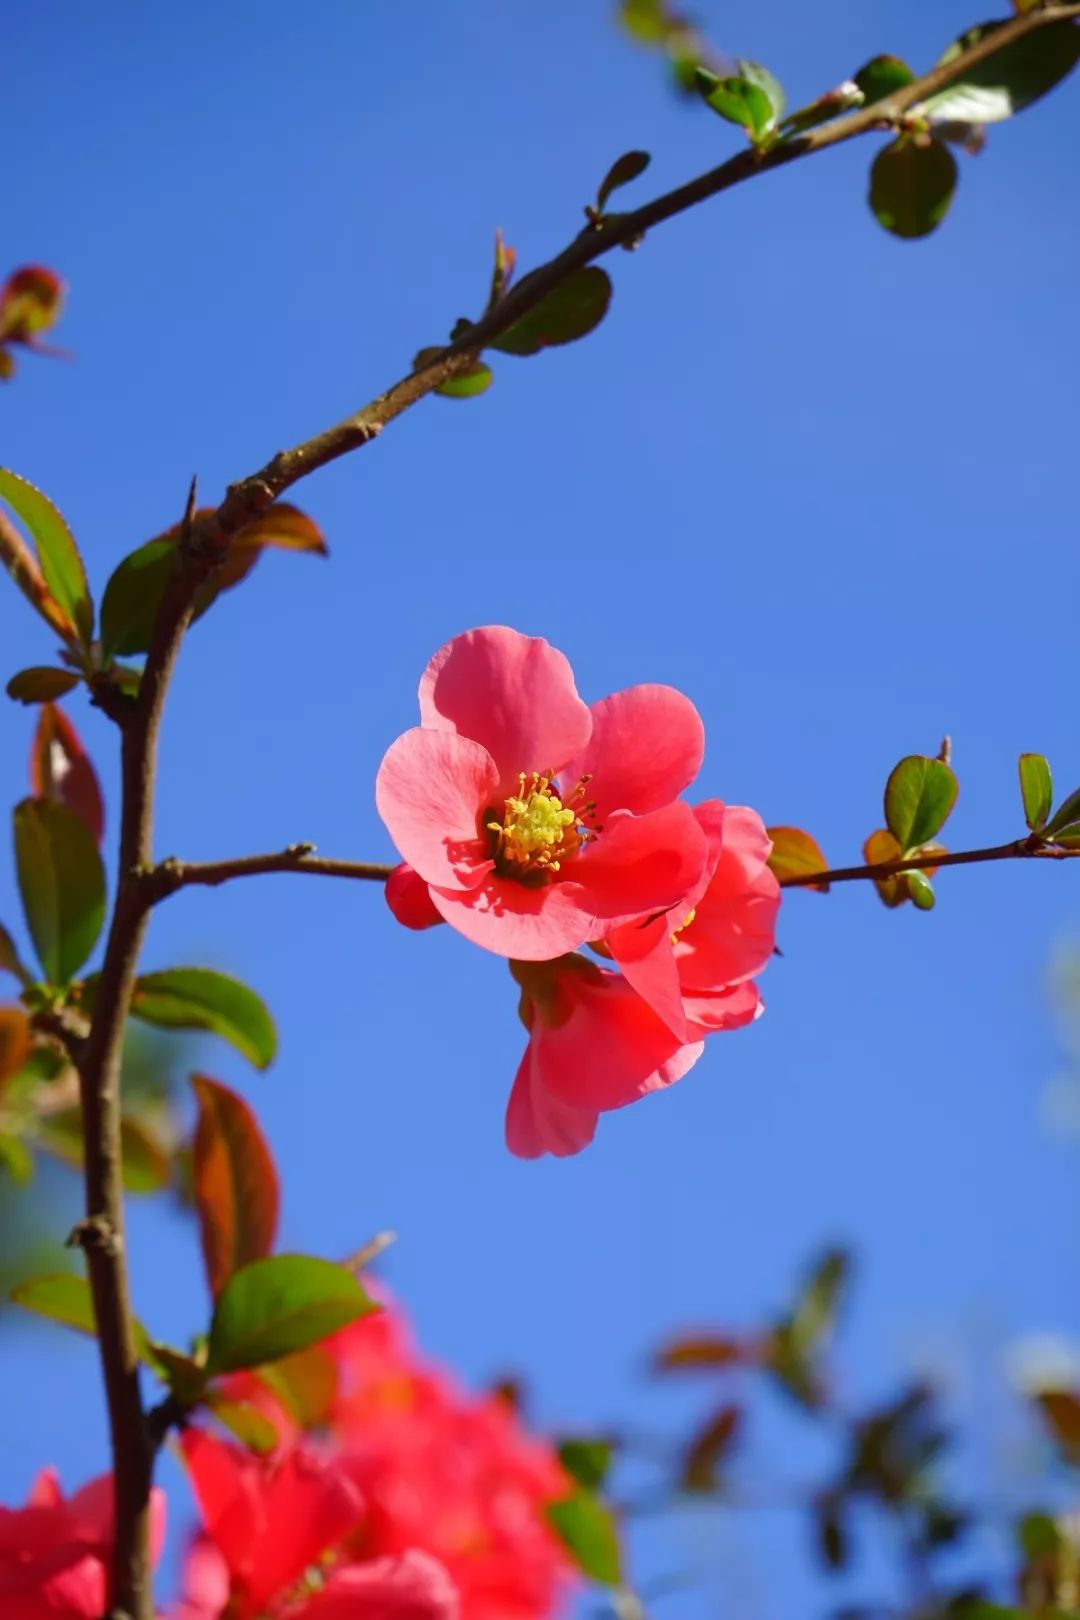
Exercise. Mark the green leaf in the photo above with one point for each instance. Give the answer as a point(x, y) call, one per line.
point(133, 596)
point(740, 101)
point(62, 883)
point(305, 1383)
point(645, 20)
point(16, 1159)
point(587, 1530)
point(622, 172)
point(145, 1164)
point(796, 854)
point(234, 1182)
point(920, 890)
point(9, 957)
point(66, 1298)
point(185, 1376)
point(912, 182)
point(568, 313)
point(201, 998)
point(41, 684)
point(467, 384)
point(821, 1297)
point(587, 1461)
point(275, 1306)
point(244, 1422)
point(1067, 812)
point(1007, 82)
point(881, 76)
point(767, 82)
point(1036, 789)
point(58, 555)
point(919, 798)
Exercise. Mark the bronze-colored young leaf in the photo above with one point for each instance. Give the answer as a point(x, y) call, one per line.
point(796, 854)
point(1008, 81)
point(62, 884)
point(880, 847)
point(587, 1529)
point(9, 957)
point(1061, 1410)
point(14, 1042)
point(275, 1306)
point(58, 555)
point(622, 172)
point(697, 1351)
point(709, 1450)
point(919, 798)
point(61, 770)
point(235, 1183)
point(566, 314)
point(41, 684)
point(1036, 789)
point(912, 182)
point(202, 998)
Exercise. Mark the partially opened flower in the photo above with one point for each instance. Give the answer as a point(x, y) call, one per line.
point(54, 1554)
point(694, 965)
point(594, 1045)
point(539, 823)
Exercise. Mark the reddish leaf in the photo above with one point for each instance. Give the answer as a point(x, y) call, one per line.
point(14, 1042)
point(60, 769)
point(235, 1183)
point(702, 1350)
point(30, 302)
point(796, 854)
point(709, 1449)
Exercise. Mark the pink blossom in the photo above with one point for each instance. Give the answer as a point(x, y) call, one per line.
point(537, 822)
point(409, 898)
point(594, 1045)
point(54, 1555)
point(694, 965)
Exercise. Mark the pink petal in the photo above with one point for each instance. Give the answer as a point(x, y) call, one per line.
point(409, 898)
point(411, 1586)
point(641, 864)
point(733, 933)
point(431, 791)
point(730, 1008)
point(537, 1123)
point(513, 694)
point(45, 1491)
point(513, 919)
point(646, 748)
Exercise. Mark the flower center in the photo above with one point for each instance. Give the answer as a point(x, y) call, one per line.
point(687, 920)
point(538, 831)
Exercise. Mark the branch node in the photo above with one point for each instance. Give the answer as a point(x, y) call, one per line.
point(95, 1233)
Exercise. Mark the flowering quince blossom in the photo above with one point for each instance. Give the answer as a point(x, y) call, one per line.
point(54, 1553)
point(539, 823)
point(436, 1472)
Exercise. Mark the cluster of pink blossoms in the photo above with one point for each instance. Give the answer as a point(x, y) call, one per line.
point(537, 825)
point(408, 1500)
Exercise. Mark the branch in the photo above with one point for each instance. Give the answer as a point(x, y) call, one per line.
point(170, 875)
point(1021, 849)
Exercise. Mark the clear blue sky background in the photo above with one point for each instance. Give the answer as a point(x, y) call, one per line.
point(822, 481)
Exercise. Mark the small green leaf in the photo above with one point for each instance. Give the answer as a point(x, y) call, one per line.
point(133, 596)
point(467, 384)
point(645, 20)
point(201, 998)
point(145, 1165)
point(622, 172)
point(821, 1298)
point(66, 1298)
point(42, 684)
point(881, 76)
point(16, 1159)
point(62, 883)
point(920, 890)
point(185, 1376)
point(275, 1306)
point(765, 81)
point(1067, 812)
point(1007, 82)
point(738, 100)
point(568, 313)
point(912, 182)
point(588, 1462)
point(305, 1383)
point(244, 1422)
point(919, 798)
point(1036, 789)
point(587, 1530)
point(58, 555)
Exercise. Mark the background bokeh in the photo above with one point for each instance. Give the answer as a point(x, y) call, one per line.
point(822, 481)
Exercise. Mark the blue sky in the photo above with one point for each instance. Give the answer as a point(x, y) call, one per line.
point(820, 480)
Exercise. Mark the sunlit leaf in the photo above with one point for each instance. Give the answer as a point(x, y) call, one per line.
point(466, 384)
point(306, 1384)
point(587, 1530)
point(709, 1450)
point(796, 854)
point(61, 770)
point(202, 998)
point(566, 314)
point(41, 684)
point(62, 884)
point(1064, 817)
point(1008, 81)
point(235, 1183)
point(919, 798)
point(739, 100)
point(66, 1298)
point(645, 20)
point(273, 1307)
point(912, 182)
point(31, 300)
point(920, 890)
point(880, 847)
point(1036, 789)
point(244, 1422)
point(16, 1159)
point(881, 76)
point(58, 555)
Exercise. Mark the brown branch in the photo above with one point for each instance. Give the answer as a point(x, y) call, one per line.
point(170, 875)
point(1020, 849)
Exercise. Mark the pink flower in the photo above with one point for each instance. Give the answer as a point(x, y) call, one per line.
point(537, 822)
point(54, 1555)
point(594, 1045)
point(694, 965)
point(410, 1586)
point(409, 898)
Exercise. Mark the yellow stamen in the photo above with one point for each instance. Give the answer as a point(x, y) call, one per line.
point(687, 920)
point(538, 831)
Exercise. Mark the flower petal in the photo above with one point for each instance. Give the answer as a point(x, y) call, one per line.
point(731, 1008)
point(646, 748)
point(733, 933)
point(431, 790)
point(409, 898)
point(538, 1123)
point(410, 1586)
point(641, 864)
point(513, 694)
point(513, 919)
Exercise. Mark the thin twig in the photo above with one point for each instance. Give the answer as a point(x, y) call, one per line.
point(1020, 849)
point(170, 875)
